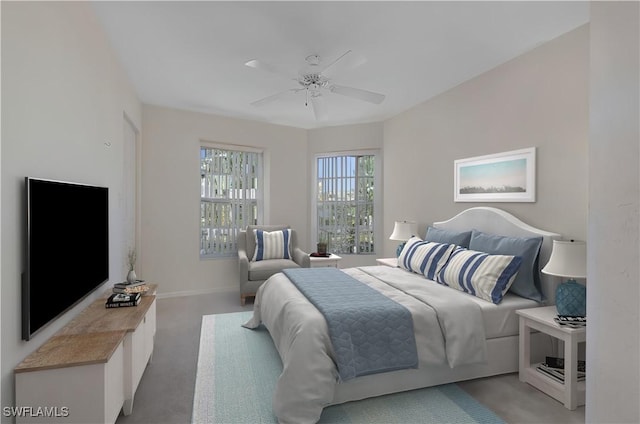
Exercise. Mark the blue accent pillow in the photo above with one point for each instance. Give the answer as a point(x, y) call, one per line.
point(424, 257)
point(439, 235)
point(480, 274)
point(527, 282)
point(272, 245)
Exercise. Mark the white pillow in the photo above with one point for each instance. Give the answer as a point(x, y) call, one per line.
point(272, 245)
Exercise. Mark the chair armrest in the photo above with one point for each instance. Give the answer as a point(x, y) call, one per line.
point(301, 258)
point(243, 265)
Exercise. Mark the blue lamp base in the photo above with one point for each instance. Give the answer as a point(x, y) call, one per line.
point(399, 249)
point(571, 299)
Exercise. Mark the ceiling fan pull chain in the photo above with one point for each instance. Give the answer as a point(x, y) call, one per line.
point(306, 101)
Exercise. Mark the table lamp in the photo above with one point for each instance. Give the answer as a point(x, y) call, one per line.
point(569, 259)
point(403, 231)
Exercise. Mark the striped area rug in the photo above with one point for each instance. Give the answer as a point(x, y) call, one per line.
point(238, 369)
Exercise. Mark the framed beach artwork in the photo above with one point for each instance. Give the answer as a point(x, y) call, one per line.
point(501, 177)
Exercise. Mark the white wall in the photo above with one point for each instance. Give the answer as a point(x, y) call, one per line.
point(171, 189)
point(64, 96)
point(171, 193)
point(613, 298)
point(538, 99)
point(340, 139)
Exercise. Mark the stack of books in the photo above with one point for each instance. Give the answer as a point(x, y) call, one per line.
point(118, 300)
point(125, 287)
point(570, 321)
point(554, 368)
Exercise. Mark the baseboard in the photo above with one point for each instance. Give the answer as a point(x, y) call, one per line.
point(198, 292)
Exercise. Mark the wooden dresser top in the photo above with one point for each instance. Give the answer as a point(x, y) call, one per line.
point(62, 351)
point(96, 318)
point(90, 338)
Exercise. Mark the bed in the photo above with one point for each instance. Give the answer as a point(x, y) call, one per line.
point(458, 336)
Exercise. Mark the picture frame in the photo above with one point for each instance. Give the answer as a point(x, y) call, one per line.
point(501, 177)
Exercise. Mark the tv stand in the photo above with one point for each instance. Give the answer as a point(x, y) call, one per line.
point(90, 369)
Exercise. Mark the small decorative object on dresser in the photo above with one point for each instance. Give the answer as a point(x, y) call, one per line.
point(138, 286)
point(569, 259)
point(131, 259)
point(403, 231)
point(118, 300)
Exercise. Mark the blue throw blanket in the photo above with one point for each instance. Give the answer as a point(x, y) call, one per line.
point(370, 333)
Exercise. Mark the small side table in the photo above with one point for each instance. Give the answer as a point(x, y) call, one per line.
point(572, 392)
point(392, 262)
point(331, 261)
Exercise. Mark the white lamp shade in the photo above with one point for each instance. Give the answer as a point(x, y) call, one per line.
point(568, 259)
point(403, 230)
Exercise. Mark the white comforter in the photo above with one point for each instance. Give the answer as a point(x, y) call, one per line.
point(448, 331)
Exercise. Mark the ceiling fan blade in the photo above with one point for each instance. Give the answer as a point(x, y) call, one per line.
point(266, 67)
point(319, 107)
point(357, 93)
point(276, 96)
point(348, 60)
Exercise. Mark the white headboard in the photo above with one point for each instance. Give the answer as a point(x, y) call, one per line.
point(497, 221)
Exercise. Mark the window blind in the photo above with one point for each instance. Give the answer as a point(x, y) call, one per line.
point(229, 198)
point(345, 203)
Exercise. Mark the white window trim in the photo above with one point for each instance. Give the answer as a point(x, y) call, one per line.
point(377, 202)
point(261, 184)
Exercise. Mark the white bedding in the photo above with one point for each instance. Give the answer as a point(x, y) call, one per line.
point(501, 320)
point(280, 306)
point(449, 327)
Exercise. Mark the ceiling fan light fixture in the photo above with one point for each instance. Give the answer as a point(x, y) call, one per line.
point(313, 59)
point(313, 81)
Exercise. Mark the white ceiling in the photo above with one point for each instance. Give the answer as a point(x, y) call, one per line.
point(191, 55)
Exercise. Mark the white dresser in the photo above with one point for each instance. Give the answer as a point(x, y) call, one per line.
point(90, 369)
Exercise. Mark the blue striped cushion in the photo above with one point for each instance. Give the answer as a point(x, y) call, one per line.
point(424, 257)
point(272, 245)
point(480, 274)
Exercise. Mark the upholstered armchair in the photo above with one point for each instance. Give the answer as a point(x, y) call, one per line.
point(254, 272)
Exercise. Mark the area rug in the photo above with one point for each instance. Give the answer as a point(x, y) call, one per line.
point(238, 369)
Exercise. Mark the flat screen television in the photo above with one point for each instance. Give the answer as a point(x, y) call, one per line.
point(67, 248)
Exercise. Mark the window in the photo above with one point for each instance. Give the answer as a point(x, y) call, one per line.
point(345, 200)
point(230, 198)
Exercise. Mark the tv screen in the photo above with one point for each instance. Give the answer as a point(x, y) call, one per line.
point(67, 243)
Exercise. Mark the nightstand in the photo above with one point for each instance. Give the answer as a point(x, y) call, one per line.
point(572, 392)
point(392, 262)
point(318, 262)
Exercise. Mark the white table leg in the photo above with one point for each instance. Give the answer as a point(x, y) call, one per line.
point(571, 373)
point(525, 350)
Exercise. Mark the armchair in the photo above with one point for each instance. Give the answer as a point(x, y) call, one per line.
point(254, 273)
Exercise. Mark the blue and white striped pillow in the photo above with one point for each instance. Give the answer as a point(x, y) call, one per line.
point(480, 274)
point(272, 245)
point(424, 257)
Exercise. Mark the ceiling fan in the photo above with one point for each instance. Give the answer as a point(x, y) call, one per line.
point(315, 80)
